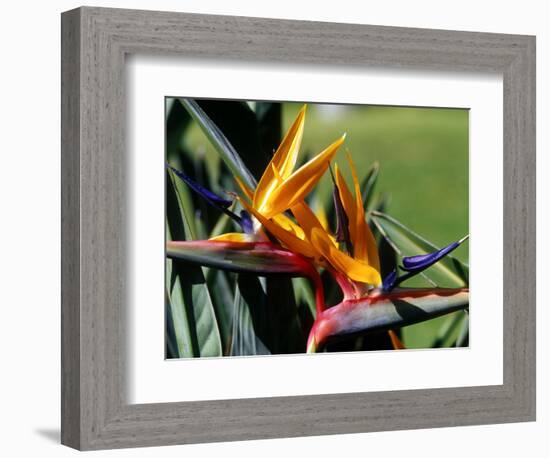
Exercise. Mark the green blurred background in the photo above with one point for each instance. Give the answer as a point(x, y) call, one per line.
point(423, 156)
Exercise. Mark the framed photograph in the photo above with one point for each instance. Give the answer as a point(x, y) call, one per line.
point(292, 267)
point(278, 228)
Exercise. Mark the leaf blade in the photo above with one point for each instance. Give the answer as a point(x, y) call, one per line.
point(220, 142)
point(193, 317)
point(245, 341)
point(368, 184)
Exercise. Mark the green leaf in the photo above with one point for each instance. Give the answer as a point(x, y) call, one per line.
point(240, 124)
point(381, 203)
point(221, 286)
point(387, 255)
point(273, 313)
point(449, 271)
point(171, 350)
point(182, 343)
point(287, 334)
point(446, 335)
point(401, 307)
point(194, 326)
point(223, 225)
point(220, 142)
point(177, 121)
point(245, 341)
point(303, 292)
point(463, 339)
point(368, 184)
point(179, 209)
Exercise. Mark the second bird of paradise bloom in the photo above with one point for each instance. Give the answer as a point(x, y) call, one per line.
point(304, 241)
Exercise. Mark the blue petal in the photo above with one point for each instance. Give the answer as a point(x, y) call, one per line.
point(214, 199)
point(389, 281)
point(413, 265)
point(246, 222)
point(423, 261)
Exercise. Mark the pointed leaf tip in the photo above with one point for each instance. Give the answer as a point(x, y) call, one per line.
point(220, 142)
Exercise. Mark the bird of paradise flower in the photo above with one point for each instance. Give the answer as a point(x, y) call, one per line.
point(281, 234)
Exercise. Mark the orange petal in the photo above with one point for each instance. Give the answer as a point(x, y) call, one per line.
point(372, 247)
point(286, 223)
point(245, 189)
point(360, 242)
point(308, 220)
point(365, 248)
point(291, 241)
point(233, 237)
point(396, 341)
point(352, 268)
point(283, 160)
point(276, 175)
point(300, 183)
point(321, 213)
point(347, 202)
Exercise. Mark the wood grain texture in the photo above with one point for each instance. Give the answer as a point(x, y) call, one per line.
point(70, 229)
point(95, 413)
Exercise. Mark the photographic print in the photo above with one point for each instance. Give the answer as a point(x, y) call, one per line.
point(296, 228)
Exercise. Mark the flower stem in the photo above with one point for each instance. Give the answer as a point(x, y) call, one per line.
point(345, 285)
point(311, 343)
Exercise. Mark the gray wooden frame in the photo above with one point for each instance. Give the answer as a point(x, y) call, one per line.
point(95, 41)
